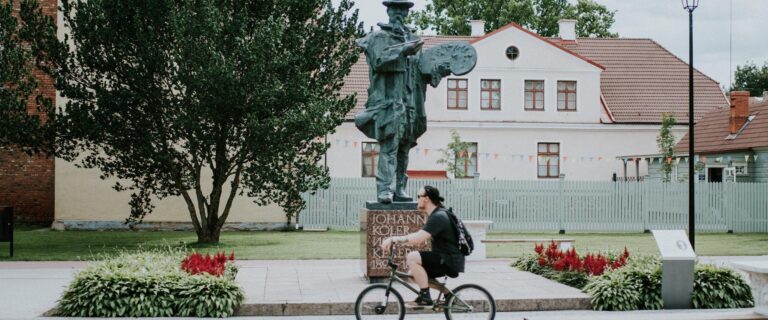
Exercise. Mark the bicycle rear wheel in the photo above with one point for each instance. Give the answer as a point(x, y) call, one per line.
point(470, 301)
point(370, 303)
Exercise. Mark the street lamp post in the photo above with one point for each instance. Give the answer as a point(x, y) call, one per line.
point(690, 5)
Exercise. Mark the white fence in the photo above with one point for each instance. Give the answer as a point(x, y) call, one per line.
point(563, 205)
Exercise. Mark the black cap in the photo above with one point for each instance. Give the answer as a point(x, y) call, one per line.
point(433, 194)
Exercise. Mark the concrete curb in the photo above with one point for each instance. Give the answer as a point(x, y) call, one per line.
point(347, 308)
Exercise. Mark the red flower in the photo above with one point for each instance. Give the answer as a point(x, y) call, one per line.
point(196, 263)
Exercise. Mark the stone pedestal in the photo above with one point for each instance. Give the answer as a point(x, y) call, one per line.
point(758, 280)
point(380, 221)
point(478, 230)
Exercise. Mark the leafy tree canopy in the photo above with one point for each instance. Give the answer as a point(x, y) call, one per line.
point(27, 43)
point(451, 17)
point(206, 99)
point(753, 78)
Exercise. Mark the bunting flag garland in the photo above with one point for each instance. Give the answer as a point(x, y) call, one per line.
point(354, 144)
point(677, 161)
point(599, 158)
point(695, 158)
point(746, 158)
point(669, 160)
point(755, 157)
point(704, 159)
point(565, 158)
point(530, 158)
point(426, 151)
point(487, 155)
point(495, 156)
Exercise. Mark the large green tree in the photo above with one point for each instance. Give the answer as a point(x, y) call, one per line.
point(753, 78)
point(451, 17)
point(206, 99)
point(27, 42)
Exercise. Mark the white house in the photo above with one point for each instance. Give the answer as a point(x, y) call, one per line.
point(539, 107)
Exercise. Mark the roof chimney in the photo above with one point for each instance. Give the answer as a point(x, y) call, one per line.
point(478, 28)
point(567, 29)
point(739, 110)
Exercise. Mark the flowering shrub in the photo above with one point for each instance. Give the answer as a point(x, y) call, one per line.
point(567, 267)
point(196, 263)
point(151, 284)
point(569, 261)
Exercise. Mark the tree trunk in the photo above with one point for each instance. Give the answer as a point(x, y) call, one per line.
point(209, 235)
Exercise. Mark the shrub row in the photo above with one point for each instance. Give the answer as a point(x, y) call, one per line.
point(637, 285)
point(150, 284)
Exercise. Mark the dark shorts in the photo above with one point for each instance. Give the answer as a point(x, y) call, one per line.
point(435, 266)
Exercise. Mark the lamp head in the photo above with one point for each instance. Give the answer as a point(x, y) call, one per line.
point(690, 5)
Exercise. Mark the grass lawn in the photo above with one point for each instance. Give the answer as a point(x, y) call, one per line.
point(39, 244)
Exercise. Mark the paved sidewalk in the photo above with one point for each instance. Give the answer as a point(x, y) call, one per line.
point(316, 287)
point(330, 287)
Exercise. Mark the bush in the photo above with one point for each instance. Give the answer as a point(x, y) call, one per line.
point(149, 284)
point(715, 288)
point(567, 267)
point(638, 287)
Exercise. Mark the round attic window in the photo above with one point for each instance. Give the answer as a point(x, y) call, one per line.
point(512, 52)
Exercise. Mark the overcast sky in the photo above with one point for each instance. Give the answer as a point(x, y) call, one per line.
point(666, 22)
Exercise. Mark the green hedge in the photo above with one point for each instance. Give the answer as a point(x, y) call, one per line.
point(638, 287)
point(149, 284)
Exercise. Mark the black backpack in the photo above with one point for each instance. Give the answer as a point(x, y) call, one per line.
point(466, 245)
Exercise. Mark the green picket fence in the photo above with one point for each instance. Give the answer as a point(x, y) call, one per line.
point(553, 205)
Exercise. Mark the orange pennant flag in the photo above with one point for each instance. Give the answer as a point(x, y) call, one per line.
point(426, 151)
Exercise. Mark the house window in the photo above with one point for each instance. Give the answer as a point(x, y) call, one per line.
point(457, 94)
point(566, 95)
point(490, 94)
point(466, 161)
point(370, 156)
point(549, 160)
point(534, 95)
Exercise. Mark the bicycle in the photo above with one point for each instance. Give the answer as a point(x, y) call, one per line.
point(467, 301)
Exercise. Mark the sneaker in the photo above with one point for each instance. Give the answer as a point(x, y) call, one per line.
point(424, 301)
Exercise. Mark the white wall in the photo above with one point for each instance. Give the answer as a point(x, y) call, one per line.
point(583, 144)
point(538, 60)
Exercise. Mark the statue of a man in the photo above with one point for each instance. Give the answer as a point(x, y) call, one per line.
point(388, 117)
point(394, 114)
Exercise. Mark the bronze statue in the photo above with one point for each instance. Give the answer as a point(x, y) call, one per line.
point(394, 114)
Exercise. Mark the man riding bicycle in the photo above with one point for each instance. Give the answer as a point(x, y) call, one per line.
point(445, 259)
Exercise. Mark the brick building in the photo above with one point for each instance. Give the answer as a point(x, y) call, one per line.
point(27, 183)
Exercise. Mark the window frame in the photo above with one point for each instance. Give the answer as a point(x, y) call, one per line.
point(567, 92)
point(374, 154)
point(467, 161)
point(490, 91)
point(457, 93)
point(548, 153)
point(533, 92)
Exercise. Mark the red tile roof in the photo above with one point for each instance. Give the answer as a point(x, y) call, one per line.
point(713, 129)
point(641, 80)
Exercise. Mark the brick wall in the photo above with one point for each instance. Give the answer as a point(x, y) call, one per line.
point(27, 183)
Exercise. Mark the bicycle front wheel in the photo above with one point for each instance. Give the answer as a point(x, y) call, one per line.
point(373, 303)
point(470, 301)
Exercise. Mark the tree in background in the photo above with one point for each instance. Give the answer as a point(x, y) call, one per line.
point(168, 95)
point(27, 42)
point(752, 78)
point(666, 142)
point(451, 17)
point(452, 152)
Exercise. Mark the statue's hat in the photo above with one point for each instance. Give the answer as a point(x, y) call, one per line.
point(395, 3)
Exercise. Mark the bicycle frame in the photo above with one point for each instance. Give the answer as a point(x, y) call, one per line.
point(402, 278)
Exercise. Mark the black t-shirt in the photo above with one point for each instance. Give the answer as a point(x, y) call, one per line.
point(445, 241)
